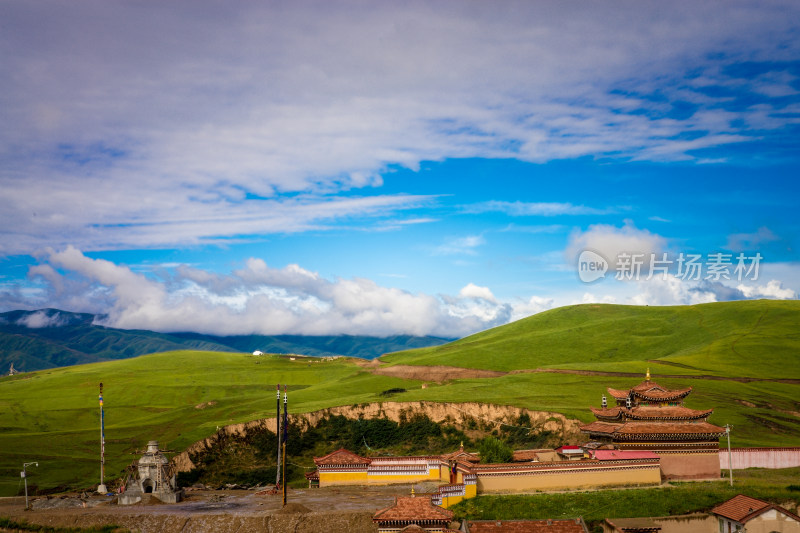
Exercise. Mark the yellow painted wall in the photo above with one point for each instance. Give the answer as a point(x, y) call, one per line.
point(569, 480)
point(327, 479)
point(342, 478)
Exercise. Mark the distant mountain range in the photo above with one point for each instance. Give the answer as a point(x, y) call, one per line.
point(48, 338)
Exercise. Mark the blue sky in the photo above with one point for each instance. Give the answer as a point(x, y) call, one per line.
point(376, 168)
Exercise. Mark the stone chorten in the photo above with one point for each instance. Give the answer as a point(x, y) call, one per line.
point(152, 474)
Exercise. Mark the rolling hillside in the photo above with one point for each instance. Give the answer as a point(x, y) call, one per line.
point(748, 348)
point(49, 338)
point(745, 338)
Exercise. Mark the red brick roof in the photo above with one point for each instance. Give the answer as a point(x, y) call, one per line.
point(526, 526)
point(342, 457)
point(413, 509)
point(743, 508)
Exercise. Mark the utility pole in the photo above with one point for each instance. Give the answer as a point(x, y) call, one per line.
point(278, 431)
point(25, 477)
point(730, 460)
point(101, 488)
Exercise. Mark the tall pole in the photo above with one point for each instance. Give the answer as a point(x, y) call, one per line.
point(730, 460)
point(285, 438)
point(25, 477)
point(278, 431)
point(101, 488)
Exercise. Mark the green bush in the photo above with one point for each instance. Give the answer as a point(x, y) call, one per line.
point(493, 450)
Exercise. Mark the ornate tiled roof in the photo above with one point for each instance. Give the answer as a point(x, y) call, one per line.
point(412, 509)
point(649, 390)
point(618, 394)
point(606, 428)
point(648, 385)
point(667, 413)
point(649, 430)
point(461, 455)
point(312, 476)
point(661, 395)
point(609, 413)
point(637, 428)
point(526, 526)
point(342, 457)
point(650, 413)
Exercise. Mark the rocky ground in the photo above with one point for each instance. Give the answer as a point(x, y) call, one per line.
point(339, 509)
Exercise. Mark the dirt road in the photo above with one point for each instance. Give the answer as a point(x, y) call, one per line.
point(334, 509)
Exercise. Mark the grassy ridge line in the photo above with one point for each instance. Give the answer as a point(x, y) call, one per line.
point(721, 339)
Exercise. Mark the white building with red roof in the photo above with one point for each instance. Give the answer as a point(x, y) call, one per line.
point(745, 514)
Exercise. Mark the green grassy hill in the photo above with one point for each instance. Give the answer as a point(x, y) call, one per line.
point(746, 338)
point(52, 416)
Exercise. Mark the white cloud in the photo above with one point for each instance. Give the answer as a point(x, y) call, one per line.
point(41, 319)
point(136, 124)
point(473, 291)
point(260, 299)
point(774, 289)
point(534, 305)
point(669, 290)
point(547, 209)
point(461, 245)
point(611, 241)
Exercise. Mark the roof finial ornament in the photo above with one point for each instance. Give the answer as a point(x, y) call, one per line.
point(412, 492)
point(462, 445)
point(647, 377)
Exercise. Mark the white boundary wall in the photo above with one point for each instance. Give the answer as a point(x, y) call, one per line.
point(759, 458)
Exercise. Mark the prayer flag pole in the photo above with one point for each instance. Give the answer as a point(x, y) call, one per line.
point(285, 438)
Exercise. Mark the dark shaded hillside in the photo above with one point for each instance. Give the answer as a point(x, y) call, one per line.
point(48, 338)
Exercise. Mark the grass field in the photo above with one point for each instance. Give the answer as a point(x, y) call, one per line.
point(52, 416)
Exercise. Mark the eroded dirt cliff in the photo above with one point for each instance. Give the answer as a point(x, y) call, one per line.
point(461, 415)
